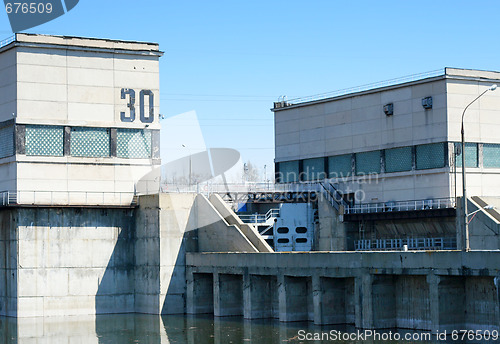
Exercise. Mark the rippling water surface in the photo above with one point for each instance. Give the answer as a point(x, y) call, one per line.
point(136, 328)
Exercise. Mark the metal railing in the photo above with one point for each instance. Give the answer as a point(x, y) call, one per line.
point(366, 87)
point(332, 195)
point(411, 243)
point(260, 218)
point(7, 41)
point(436, 203)
point(65, 198)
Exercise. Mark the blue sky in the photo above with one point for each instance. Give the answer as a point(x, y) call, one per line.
point(229, 60)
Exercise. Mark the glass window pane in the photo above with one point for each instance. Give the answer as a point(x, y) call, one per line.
point(398, 159)
point(289, 171)
point(340, 166)
point(133, 144)
point(90, 142)
point(314, 169)
point(491, 155)
point(430, 156)
point(44, 140)
point(471, 155)
point(368, 162)
point(6, 141)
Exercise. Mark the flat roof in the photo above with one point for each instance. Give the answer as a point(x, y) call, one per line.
point(415, 79)
point(80, 43)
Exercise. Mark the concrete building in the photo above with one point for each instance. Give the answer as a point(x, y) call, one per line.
point(402, 136)
point(391, 155)
point(79, 118)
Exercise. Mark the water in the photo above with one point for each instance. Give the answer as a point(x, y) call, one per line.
point(138, 328)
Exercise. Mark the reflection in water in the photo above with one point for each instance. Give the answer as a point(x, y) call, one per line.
point(152, 329)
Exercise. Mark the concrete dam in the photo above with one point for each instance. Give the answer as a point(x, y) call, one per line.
point(186, 253)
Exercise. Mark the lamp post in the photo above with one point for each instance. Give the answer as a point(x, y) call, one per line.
point(464, 194)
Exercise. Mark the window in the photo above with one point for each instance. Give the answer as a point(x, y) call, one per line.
point(430, 156)
point(90, 142)
point(398, 159)
point(289, 171)
point(314, 169)
point(44, 140)
point(368, 162)
point(471, 155)
point(6, 141)
point(133, 144)
point(340, 166)
point(491, 155)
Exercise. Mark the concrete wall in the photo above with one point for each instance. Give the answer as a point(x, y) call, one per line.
point(415, 290)
point(74, 261)
point(162, 224)
point(8, 264)
point(331, 232)
point(231, 218)
point(214, 233)
point(357, 123)
point(8, 89)
point(484, 229)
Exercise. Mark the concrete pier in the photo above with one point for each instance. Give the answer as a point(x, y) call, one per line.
point(444, 290)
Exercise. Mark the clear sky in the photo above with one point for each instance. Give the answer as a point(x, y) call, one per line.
point(229, 60)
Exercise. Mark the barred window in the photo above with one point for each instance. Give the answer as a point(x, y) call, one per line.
point(398, 159)
point(44, 140)
point(471, 155)
point(314, 169)
point(289, 171)
point(133, 144)
point(430, 156)
point(90, 142)
point(491, 155)
point(340, 166)
point(368, 162)
point(6, 141)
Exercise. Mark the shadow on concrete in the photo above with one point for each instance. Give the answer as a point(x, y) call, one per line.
point(175, 298)
point(115, 293)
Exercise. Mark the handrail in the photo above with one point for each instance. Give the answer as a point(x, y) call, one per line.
point(260, 218)
point(442, 243)
point(413, 205)
point(62, 198)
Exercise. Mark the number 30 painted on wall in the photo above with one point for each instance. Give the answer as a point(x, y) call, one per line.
point(131, 105)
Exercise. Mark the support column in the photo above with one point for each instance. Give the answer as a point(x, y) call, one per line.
point(281, 298)
point(228, 295)
point(433, 281)
point(295, 298)
point(317, 300)
point(364, 304)
point(260, 297)
point(200, 295)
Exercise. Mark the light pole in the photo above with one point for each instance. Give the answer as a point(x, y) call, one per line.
point(464, 194)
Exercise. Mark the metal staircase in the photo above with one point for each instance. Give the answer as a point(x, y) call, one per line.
point(333, 196)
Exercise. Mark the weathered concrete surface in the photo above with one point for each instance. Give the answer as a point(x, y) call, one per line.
point(162, 228)
point(78, 261)
point(332, 233)
point(214, 233)
point(74, 261)
point(414, 290)
point(231, 218)
point(484, 228)
point(8, 265)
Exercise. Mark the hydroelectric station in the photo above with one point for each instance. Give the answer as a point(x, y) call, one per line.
point(365, 223)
